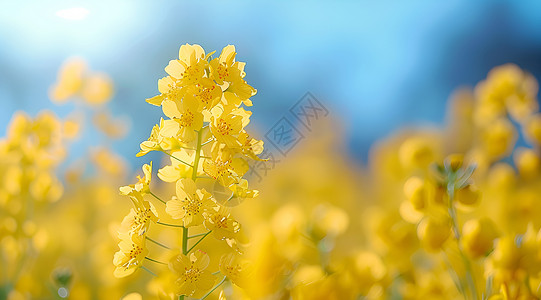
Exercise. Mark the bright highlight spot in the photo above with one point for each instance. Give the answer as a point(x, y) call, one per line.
point(74, 14)
point(62, 292)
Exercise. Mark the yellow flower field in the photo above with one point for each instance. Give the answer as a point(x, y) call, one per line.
point(437, 212)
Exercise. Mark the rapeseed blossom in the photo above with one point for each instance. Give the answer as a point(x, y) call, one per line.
point(438, 213)
point(204, 136)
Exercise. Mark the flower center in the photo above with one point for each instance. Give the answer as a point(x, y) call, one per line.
point(220, 221)
point(192, 206)
point(223, 127)
point(186, 119)
point(222, 71)
point(191, 274)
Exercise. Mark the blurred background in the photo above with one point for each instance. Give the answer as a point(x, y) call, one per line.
point(322, 223)
point(376, 66)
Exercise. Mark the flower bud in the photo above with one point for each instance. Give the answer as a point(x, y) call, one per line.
point(478, 237)
point(433, 233)
point(415, 192)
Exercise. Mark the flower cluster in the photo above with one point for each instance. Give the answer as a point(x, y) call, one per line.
point(204, 100)
point(75, 80)
point(448, 213)
point(475, 214)
point(29, 156)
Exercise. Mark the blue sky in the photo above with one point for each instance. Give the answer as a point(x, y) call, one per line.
point(376, 66)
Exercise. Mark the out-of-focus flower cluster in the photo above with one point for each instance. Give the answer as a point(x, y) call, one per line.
point(447, 212)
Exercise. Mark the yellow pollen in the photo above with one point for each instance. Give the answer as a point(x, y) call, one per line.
point(186, 119)
point(224, 128)
point(191, 274)
point(192, 206)
point(220, 221)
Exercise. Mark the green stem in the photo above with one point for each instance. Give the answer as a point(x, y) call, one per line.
point(178, 159)
point(197, 156)
point(170, 225)
point(157, 197)
point(211, 140)
point(199, 241)
point(158, 243)
point(150, 272)
point(194, 177)
point(187, 148)
point(214, 288)
point(456, 230)
point(184, 240)
point(196, 235)
point(156, 261)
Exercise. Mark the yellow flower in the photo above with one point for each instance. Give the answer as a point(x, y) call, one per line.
point(222, 69)
point(468, 195)
point(478, 237)
point(528, 163)
point(416, 193)
point(132, 296)
point(226, 125)
point(46, 187)
point(142, 185)
point(167, 86)
point(69, 80)
point(177, 170)
point(139, 218)
point(206, 92)
point(368, 269)
point(240, 192)
point(228, 73)
point(109, 162)
point(97, 89)
point(190, 67)
point(249, 146)
point(328, 221)
point(235, 268)
point(112, 127)
point(498, 138)
point(507, 89)
point(185, 119)
point(221, 223)
point(152, 144)
point(532, 130)
point(194, 280)
point(190, 204)
point(131, 254)
point(418, 152)
point(74, 79)
point(223, 167)
point(433, 233)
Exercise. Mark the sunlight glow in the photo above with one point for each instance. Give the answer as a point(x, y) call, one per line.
point(74, 13)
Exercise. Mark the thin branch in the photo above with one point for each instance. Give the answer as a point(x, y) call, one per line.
point(150, 272)
point(196, 235)
point(157, 197)
point(214, 288)
point(158, 243)
point(170, 225)
point(156, 261)
point(199, 241)
point(178, 159)
point(211, 140)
